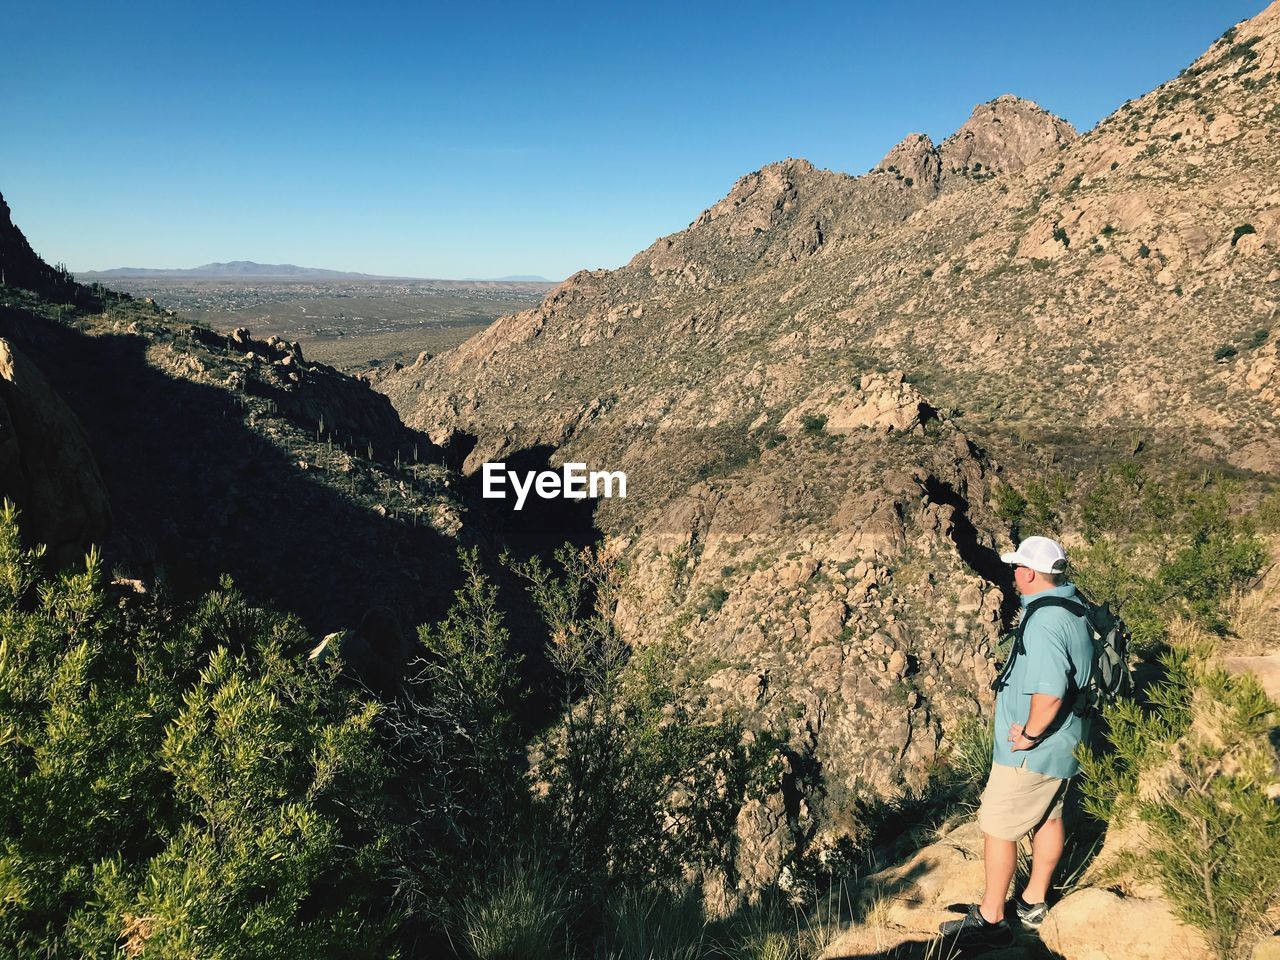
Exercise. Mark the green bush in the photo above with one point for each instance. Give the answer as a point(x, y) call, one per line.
point(1243, 230)
point(1034, 510)
point(456, 748)
point(183, 782)
point(1010, 505)
point(1224, 352)
point(1163, 548)
point(1138, 735)
point(1213, 833)
point(813, 422)
point(1214, 836)
point(637, 783)
point(1268, 513)
point(519, 912)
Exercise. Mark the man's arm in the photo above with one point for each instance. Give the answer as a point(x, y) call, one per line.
point(1044, 709)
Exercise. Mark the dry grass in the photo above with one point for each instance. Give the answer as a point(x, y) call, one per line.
point(1254, 614)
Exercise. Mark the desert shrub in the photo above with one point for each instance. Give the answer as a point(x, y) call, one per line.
point(518, 912)
point(1144, 251)
point(732, 449)
point(1163, 548)
point(1138, 735)
point(182, 782)
point(1036, 509)
point(1259, 338)
point(969, 760)
point(1060, 234)
point(1268, 513)
point(813, 422)
point(455, 747)
point(1213, 837)
point(716, 598)
point(1243, 230)
point(1010, 505)
point(1045, 499)
point(636, 782)
point(1216, 832)
point(1224, 352)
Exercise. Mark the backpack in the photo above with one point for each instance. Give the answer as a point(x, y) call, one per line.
point(1110, 676)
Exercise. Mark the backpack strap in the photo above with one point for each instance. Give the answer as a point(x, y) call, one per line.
point(1074, 606)
point(1020, 648)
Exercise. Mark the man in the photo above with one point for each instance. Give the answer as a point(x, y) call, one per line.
point(1037, 731)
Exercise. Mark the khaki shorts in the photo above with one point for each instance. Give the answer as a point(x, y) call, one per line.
point(1018, 800)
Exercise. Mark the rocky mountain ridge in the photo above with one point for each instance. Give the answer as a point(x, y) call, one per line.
point(186, 453)
point(801, 383)
point(1123, 241)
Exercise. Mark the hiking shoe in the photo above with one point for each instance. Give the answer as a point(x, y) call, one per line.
point(1030, 914)
point(975, 931)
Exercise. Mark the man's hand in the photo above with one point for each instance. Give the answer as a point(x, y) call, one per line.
point(1044, 709)
point(1018, 739)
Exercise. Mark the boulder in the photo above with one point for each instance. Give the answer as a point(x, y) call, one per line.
point(1266, 669)
point(1096, 924)
point(924, 889)
point(881, 403)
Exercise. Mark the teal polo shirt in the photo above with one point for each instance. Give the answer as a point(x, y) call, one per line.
point(1059, 646)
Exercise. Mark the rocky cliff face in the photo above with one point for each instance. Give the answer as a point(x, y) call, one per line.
point(816, 528)
point(46, 466)
point(1147, 244)
point(20, 266)
point(1001, 136)
point(214, 454)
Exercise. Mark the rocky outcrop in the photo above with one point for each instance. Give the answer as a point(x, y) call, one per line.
point(915, 160)
point(930, 886)
point(21, 267)
point(814, 591)
point(314, 395)
point(46, 465)
point(880, 402)
point(1002, 136)
point(1097, 924)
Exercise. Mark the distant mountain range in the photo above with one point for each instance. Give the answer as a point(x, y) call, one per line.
point(514, 278)
point(248, 269)
point(233, 269)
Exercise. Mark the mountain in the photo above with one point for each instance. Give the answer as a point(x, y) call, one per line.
point(813, 387)
point(21, 267)
point(235, 269)
point(186, 453)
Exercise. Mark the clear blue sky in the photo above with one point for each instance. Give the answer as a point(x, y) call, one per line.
point(484, 139)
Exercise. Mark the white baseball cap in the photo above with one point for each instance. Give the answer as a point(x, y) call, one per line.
point(1038, 553)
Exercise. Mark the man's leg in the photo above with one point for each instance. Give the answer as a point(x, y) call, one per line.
point(1046, 850)
point(1000, 857)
